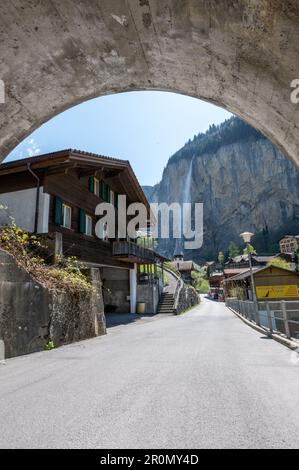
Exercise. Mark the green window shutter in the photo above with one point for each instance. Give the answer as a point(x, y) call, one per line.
point(82, 222)
point(58, 213)
point(107, 193)
point(102, 191)
point(91, 184)
point(116, 200)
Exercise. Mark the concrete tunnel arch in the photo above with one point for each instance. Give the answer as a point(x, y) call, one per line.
point(242, 55)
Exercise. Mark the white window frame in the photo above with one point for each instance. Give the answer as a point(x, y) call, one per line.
point(97, 187)
point(67, 219)
point(88, 225)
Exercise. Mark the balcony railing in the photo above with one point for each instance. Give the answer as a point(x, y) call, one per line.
point(132, 251)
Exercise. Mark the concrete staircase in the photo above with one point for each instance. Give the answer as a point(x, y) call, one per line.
point(166, 303)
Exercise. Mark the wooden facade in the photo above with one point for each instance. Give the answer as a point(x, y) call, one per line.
point(70, 176)
point(271, 283)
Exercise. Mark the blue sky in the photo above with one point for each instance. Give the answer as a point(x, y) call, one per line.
point(145, 127)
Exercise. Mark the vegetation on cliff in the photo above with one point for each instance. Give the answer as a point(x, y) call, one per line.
point(230, 131)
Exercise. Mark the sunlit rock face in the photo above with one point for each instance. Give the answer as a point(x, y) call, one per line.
point(246, 185)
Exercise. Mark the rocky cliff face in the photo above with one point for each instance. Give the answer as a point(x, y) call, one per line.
point(244, 185)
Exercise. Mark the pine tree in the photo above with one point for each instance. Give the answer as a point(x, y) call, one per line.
point(221, 257)
point(233, 250)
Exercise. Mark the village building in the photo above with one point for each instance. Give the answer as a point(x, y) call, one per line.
point(185, 268)
point(55, 195)
point(288, 244)
point(238, 265)
point(241, 262)
point(271, 283)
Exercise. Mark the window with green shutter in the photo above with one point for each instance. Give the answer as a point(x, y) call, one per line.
point(107, 193)
point(82, 221)
point(91, 184)
point(58, 211)
point(102, 190)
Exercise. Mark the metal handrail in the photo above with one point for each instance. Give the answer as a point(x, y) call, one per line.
point(255, 311)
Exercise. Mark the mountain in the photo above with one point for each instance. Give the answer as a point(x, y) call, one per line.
point(148, 191)
point(244, 182)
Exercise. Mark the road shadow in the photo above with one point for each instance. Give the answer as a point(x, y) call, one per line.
point(116, 319)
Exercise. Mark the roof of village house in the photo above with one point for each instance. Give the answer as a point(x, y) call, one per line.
point(234, 271)
point(74, 156)
point(217, 274)
point(256, 270)
point(258, 258)
point(186, 265)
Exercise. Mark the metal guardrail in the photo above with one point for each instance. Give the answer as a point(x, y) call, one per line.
point(281, 316)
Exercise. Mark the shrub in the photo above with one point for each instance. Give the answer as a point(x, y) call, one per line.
point(49, 346)
point(280, 263)
point(66, 274)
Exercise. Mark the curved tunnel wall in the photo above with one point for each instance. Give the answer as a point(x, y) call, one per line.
point(240, 55)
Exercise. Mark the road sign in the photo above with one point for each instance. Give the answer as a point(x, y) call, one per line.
point(277, 292)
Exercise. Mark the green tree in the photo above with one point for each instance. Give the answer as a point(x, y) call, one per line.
point(199, 280)
point(280, 263)
point(221, 257)
point(233, 250)
point(249, 249)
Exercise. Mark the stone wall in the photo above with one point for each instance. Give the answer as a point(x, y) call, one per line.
point(188, 298)
point(150, 295)
point(31, 315)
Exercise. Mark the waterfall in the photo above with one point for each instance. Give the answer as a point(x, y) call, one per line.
point(186, 197)
point(187, 190)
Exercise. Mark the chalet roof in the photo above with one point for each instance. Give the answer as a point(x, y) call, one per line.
point(16, 164)
point(76, 157)
point(246, 274)
point(258, 258)
point(186, 265)
point(217, 274)
point(234, 271)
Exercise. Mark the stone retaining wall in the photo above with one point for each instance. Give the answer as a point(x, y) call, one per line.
point(188, 298)
point(31, 315)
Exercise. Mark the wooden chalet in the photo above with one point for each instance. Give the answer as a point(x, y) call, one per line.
point(56, 195)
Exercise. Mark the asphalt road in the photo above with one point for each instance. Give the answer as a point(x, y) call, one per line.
point(201, 380)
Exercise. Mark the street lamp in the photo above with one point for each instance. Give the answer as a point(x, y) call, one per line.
point(247, 237)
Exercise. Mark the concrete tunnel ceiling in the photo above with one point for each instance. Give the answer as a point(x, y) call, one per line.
point(239, 54)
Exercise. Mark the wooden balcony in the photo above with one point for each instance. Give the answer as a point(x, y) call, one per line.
point(132, 253)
